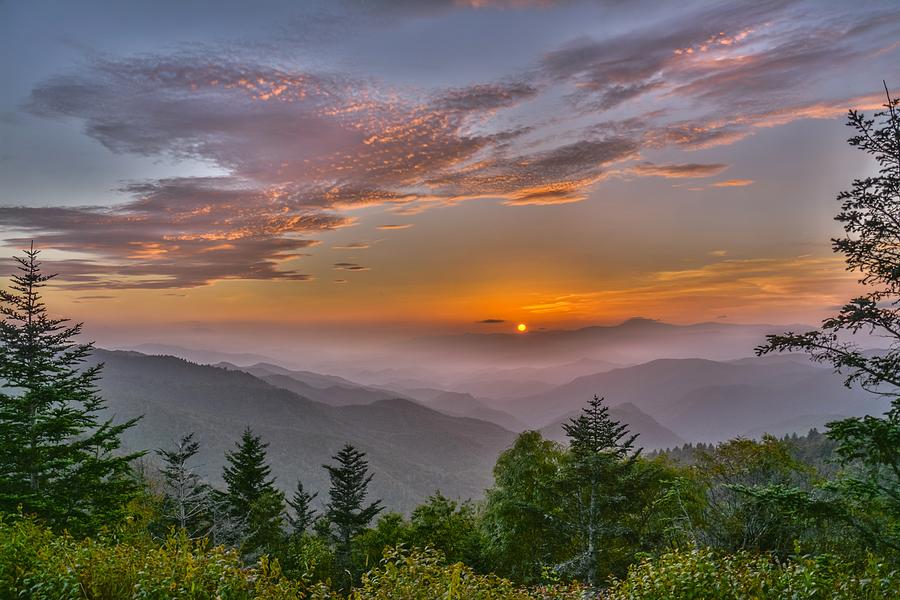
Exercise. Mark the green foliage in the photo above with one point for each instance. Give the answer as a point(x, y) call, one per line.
point(584, 512)
point(304, 515)
point(346, 512)
point(522, 509)
point(424, 575)
point(247, 474)
point(251, 500)
point(704, 575)
point(308, 558)
point(34, 563)
point(600, 486)
point(187, 499)
point(451, 527)
point(735, 520)
point(58, 460)
point(390, 530)
point(866, 496)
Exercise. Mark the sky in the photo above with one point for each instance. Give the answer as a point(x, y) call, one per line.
point(435, 165)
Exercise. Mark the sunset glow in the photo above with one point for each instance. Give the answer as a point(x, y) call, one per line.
point(218, 175)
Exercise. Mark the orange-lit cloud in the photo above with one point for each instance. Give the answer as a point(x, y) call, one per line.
point(678, 171)
point(742, 287)
point(732, 183)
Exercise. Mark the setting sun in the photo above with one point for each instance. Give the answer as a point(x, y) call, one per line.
point(522, 327)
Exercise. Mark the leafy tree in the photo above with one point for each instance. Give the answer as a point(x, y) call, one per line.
point(598, 485)
point(345, 511)
point(251, 497)
point(304, 514)
point(451, 527)
point(58, 458)
point(867, 496)
point(731, 519)
point(523, 508)
point(391, 530)
point(187, 498)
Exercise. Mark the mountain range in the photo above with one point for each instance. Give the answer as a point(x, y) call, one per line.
point(413, 450)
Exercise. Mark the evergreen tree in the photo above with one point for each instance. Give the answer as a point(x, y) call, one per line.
point(345, 511)
point(247, 475)
point(251, 497)
point(598, 484)
point(304, 514)
point(187, 500)
point(58, 458)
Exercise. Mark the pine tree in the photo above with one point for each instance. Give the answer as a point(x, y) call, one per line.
point(187, 501)
point(304, 514)
point(58, 458)
point(598, 482)
point(247, 474)
point(251, 497)
point(345, 511)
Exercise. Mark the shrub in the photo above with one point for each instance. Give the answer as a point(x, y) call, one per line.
point(424, 575)
point(34, 563)
point(701, 574)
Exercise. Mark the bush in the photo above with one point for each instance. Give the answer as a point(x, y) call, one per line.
point(34, 563)
point(701, 574)
point(423, 575)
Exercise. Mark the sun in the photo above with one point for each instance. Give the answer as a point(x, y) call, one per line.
point(522, 327)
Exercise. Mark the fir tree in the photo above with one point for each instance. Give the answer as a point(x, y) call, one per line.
point(251, 497)
point(345, 511)
point(247, 474)
point(58, 458)
point(598, 483)
point(187, 501)
point(304, 514)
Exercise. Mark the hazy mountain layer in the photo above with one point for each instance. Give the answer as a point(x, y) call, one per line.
point(413, 450)
point(704, 400)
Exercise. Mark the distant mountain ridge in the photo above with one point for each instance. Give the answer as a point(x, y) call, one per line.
point(413, 450)
point(708, 401)
point(634, 341)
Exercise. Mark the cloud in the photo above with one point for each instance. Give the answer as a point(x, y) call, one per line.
point(346, 266)
point(491, 321)
point(353, 246)
point(732, 183)
point(175, 233)
point(486, 96)
point(295, 147)
point(396, 226)
point(557, 176)
point(678, 171)
point(751, 286)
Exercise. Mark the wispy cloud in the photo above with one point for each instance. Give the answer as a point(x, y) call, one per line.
point(678, 171)
point(347, 266)
point(732, 183)
point(738, 286)
point(396, 226)
point(296, 148)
